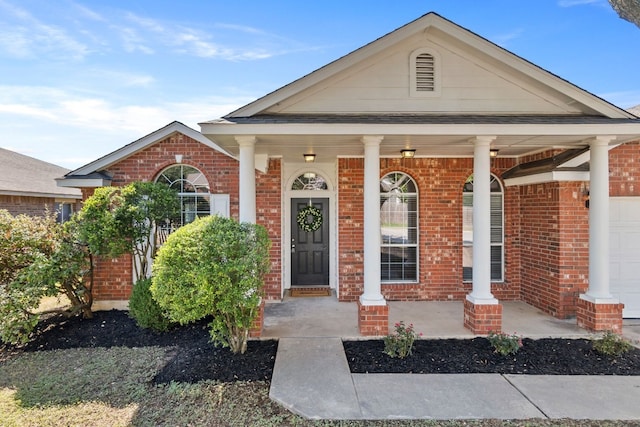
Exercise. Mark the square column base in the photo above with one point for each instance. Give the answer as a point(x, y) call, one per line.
point(258, 323)
point(599, 316)
point(482, 318)
point(373, 320)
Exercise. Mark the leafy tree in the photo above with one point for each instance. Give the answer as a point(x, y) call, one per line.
point(213, 267)
point(628, 10)
point(119, 220)
point(38, 258)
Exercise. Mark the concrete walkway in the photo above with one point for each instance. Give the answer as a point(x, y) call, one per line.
point(311, 376)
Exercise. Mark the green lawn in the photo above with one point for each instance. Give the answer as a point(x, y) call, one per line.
point(112, 387)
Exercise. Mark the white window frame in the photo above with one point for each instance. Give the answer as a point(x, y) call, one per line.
point(416, 245)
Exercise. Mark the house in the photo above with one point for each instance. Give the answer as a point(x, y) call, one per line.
point(28, 186)
point(430, 164)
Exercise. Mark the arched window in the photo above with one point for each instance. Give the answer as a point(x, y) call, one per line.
point(193, 190)
point(309, 181)
point(399, 228)
point(497, 230)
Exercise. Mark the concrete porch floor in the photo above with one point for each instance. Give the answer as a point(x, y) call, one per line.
point(326, 317)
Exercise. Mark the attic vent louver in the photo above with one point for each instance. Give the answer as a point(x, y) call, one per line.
point(425, 73)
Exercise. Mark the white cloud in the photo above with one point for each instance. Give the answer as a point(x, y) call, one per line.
point(571, 3)
point(27, 36)
point(505, 38)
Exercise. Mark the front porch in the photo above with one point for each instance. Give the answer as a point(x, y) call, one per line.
point(326, 317)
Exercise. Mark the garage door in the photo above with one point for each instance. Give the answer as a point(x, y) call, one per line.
point(624, 240)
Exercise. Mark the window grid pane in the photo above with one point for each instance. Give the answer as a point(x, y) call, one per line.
point(399, 228)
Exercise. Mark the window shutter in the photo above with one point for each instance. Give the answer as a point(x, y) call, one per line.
point(425, 73)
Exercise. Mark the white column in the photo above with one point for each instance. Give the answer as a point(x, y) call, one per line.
point(372, 294)
point(481, 292)
point(598, 290)
point(247, 178)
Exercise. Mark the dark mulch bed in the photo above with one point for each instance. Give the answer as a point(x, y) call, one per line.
point(453, 356)
point(191, 357)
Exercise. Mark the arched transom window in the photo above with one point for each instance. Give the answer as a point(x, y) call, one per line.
point(193, 190)
point(309, 181)
point(497, 230)
point(399, 228)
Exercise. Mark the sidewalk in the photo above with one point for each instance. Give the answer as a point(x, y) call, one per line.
point(311, 378)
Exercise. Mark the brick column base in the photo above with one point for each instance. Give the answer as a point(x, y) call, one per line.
point(258, 324)
point(599, 317)
point(373, 320)
point(482, 318)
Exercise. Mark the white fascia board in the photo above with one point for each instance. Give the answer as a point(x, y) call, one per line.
point(541, 178)
point(82, 183)
point(144, 142)
point(627, 131)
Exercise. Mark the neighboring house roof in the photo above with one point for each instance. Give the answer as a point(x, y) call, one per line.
point(95, 174)
point(22, 175)
point(480, 89)
point(635, 110)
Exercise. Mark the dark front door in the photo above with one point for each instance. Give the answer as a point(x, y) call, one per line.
point(310, 242)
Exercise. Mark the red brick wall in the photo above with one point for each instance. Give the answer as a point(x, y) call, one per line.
point(113, 278)
point(555, 246)
point(440, 183)
point(624, 170)
point(34, 206)
point(268, 214)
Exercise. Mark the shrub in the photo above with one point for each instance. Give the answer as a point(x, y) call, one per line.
point(400, 343)
point(505, 344)
point(213, 267)
point(38, 258)
point(144, 309)
point(611, 344)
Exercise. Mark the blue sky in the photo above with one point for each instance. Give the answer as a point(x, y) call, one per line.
point(81, 78)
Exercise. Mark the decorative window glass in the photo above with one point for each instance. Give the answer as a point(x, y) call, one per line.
point(399, 228)
point(309, 181)
point(193, 190)
point(497, 231)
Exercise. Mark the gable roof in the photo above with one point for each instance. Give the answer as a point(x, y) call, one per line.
point(93, 174)
point(484, 90)
point(22, 175)
point(434, 24)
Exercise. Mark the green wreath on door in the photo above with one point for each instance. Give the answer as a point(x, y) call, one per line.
point(309, 219)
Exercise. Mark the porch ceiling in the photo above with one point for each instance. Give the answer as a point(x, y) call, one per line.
point(443, 137)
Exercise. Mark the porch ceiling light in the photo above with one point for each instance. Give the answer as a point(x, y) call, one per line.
point(309, 157)
point(493, 152)
point(408, 153)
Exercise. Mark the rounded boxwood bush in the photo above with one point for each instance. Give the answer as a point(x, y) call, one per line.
point(145, 310)
point(213, 267)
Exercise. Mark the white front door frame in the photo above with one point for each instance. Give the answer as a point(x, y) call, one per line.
point(290, 172)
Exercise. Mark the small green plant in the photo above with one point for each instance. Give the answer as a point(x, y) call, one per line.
point(611, 344)
point(145, 310)
point(505, 344)
point(400, 343)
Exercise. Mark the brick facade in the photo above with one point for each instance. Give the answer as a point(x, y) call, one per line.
point(32, 206)
point(546, 232)
point(481, 319)
point(599, 317)
point(440, 183)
